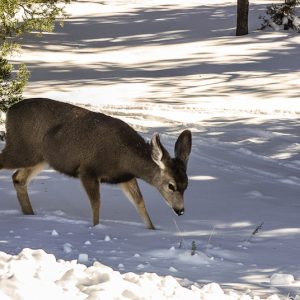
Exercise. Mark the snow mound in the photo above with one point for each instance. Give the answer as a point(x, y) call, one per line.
point(282, 279)
point(32, 274)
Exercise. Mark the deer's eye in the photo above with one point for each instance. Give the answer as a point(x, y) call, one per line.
point(172, 187)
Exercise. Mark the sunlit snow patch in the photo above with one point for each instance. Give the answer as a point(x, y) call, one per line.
point(45, 276)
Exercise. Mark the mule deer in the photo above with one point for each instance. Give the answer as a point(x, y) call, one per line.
point(93, 147)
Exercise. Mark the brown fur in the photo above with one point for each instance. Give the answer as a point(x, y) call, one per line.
point(93, 147)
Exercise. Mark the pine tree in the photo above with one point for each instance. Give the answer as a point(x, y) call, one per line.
point(18, 18)
point(282, 15)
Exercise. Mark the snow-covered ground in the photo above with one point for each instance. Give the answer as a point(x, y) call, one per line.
point(164, 66)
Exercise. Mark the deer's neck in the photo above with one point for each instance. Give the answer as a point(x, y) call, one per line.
point(147, 171)
point(144, 167)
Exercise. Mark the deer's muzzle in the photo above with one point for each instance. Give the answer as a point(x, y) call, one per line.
point(179, 212)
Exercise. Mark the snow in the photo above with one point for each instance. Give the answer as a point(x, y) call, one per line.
point(163, 66)
point(83, 258)
point(54, 233)
point(67, 248)
point(107, 238)
point(46, 278)
point(282, 279)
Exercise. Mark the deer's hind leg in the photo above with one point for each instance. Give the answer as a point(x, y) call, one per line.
point(92, 188)
point(21, 179)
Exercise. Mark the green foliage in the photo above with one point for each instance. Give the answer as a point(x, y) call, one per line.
point(11, 83)
point(282, 15)
point(19, 18)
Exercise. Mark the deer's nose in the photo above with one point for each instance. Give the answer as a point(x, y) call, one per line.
point(179, 212)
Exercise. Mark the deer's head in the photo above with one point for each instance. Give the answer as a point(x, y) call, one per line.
point(172, 180)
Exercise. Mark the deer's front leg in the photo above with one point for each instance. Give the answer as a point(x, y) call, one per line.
point(133, 193)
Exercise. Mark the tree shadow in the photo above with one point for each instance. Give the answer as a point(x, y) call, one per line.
point(187, 56)
point(165, 48)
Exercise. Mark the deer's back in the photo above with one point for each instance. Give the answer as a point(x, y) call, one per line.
point(27, 123)
point(95, 143)
point(31, 118)
point(72, 139)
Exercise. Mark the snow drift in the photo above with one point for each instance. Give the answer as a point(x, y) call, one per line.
point(35, 275)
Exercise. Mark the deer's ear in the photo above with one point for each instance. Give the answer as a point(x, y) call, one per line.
point(183, 146)
point(157, 153)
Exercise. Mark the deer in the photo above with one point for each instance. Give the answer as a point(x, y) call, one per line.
point(95, 148)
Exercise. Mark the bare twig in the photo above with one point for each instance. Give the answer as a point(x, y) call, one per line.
point(211, 234)
point(181, 243)
point(194, 248)
point(255, 231)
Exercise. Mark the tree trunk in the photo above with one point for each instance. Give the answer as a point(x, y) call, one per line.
point(242, 17)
